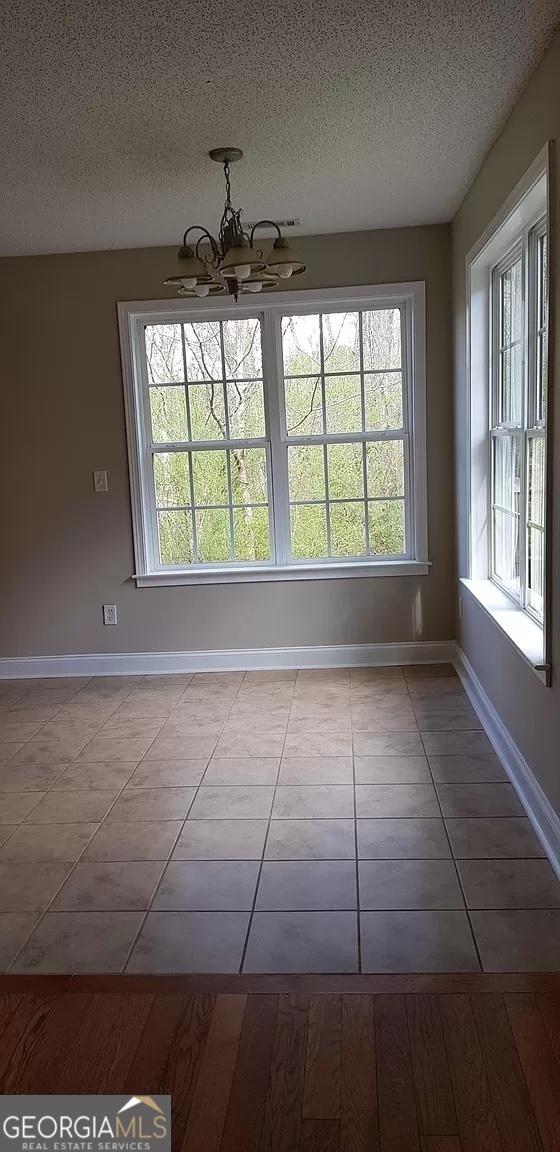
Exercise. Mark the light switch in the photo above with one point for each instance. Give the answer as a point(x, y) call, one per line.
point(100, 480)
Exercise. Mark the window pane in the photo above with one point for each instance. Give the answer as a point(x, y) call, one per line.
point(341, 342)
point(536, 480)
point(542, 324)
point(207, 410)
point(511, 385)
point(175, 537)
point(242, 348)
point(213, 537)
point(304, 406)
point(300, 345)
point(543, 281)
point(164, 355)
point(171, 479)
point(245, 410)
point(535, 570)
point(343, 395)
point(348, 534)
point(383, 401)
point(248, 476)
point(507, 472)
point(168, 408)
point(251, 533)
point(306, 472)
point(512, 304)
point(542, 369)
point(381, 334)
point(210, 478)
point(309, 531)
point(510, 367)
point(385, 468)
point(203, 352)
point(386, 527)
point(345, 464)
point(506, 549)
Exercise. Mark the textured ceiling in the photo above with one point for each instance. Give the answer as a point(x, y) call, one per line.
point(352, 113)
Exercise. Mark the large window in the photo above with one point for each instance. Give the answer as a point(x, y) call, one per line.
point(277, 438)
point(518, 419)
point(508, 511)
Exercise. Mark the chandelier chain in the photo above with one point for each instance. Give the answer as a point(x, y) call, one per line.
point(231, 231)
point(228, 184)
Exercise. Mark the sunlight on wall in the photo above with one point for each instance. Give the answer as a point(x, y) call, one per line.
point(417, 615)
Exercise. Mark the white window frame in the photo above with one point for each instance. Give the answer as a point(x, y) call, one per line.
point(528, 427)
point(133, 316)
point(523, 217)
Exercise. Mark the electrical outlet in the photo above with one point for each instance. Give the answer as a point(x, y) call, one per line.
point(100, 480)
point(109, 613)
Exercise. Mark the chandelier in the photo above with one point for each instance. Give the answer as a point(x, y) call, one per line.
point(231, 263)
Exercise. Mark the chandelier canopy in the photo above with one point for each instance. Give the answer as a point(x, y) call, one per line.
point(230, 263)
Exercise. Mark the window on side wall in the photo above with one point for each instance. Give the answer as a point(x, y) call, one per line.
point(508, 382)
point(518, 423)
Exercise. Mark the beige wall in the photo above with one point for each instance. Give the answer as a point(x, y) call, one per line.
point(530, 711)
point(67, 551)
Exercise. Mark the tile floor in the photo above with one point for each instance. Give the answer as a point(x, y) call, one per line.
point(320, 821)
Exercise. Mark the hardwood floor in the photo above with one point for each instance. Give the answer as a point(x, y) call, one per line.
point(467, 1063)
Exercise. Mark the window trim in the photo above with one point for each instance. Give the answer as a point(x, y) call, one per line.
point(498, 427)
point(133, 315)
point(524, 210)
point(527, 428)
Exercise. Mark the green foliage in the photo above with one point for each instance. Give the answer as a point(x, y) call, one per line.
point(211, 389)
point(309, 531)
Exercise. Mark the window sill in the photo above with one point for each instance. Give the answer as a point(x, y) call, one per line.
point(525, 634)
point(386, 568)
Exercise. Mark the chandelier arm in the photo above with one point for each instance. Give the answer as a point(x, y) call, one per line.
point(206, 235)
point(264, 224)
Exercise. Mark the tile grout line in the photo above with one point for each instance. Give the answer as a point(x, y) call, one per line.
point(459, 881)
point(284, 859)
point(266, 835)
point(74, 864)
point(280, 911)
point(355, 801)
point(68, 764)
point(180, 832)
point(78, 860)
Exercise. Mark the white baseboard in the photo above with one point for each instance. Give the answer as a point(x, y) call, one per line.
point(544, 819)
point(235, 660)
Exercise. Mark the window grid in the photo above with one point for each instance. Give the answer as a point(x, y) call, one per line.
point(190, 447)
point(189, 433)
point(228, 456)
point(324, 410)
point(526, 423)
point(364, 436)
point(363, 414)
point(179, 422)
